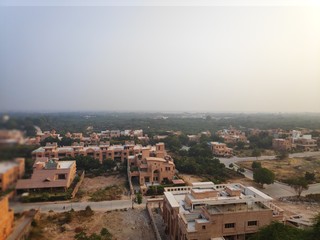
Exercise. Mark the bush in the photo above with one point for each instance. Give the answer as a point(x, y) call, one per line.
point(256, 165)
point(139, 198)
point(315, 197)
point(310, 177)
point(155, 190)
point(78, 229)
point(44, 197)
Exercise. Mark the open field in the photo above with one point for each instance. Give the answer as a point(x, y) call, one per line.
point(290, 167)
point(248, 153)
point(102, 188)
point(131, 224)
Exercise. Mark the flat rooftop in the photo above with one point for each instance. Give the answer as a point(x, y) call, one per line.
point(65, 164)
point(249, 196)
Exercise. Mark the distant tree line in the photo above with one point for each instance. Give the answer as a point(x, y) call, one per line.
point(152, 124)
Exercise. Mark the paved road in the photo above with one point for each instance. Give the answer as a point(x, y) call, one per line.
point(66, 206)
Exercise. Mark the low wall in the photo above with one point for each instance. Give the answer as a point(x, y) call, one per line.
point(153, 223)
point(22, 230)
point(76, 188)
point(129, 178)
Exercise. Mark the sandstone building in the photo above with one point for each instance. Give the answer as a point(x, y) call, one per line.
point(6, 218)
point(207, 211)
point(49, 174)
point(10, 172)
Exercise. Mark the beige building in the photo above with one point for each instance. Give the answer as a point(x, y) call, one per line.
point(101, 152)
point(10, 172)
point(49, 174)
point(6, 218)
point(221, 149)
point(232, 135)
point(280, 144)
point(306, 143)
point(11, 137)
point(151, 167)
point(207, 211)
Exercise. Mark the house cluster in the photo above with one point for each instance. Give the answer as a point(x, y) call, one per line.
point(232, 135)
point(11, 137)
point(103, 151)
point(151, 167)
point(16, 137)
point(208, 211)
point(221, 150)
point(95, 138)
point(294, 140)
point(196, 137)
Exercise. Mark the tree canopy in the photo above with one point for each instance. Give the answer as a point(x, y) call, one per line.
point(263, 176)
point(298, 184)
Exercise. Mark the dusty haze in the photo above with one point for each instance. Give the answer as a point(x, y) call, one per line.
point(177, 58)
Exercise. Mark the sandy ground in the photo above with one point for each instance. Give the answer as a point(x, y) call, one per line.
point(307, 210)
point(287, 168)
point(123, 225)
point(188, 178)
point(90, 185)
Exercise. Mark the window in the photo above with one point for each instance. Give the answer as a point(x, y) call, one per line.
point(229, 225)
point(167, 168)
point(61, 176)
point(252, 223)
point(203, 227)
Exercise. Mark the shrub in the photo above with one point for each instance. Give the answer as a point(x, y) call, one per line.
point(78, 229)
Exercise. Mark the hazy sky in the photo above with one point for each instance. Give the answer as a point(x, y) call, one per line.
point(160, 58)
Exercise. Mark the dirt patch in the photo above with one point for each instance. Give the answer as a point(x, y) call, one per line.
point(306, 209)
point(125, 225)
point(188, 178)
point(248, 152)
point(287, 168)
point(91, 186)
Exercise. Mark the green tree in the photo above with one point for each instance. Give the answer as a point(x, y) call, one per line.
point(200, 150)
point(256, 153)
point(279, 231)
point(81, 236)
point(256, 165)
point(173, 143)
point(65, 141)
point(240, 145)
point(49, 140)
point(310, 177)
point(283, 155)
point(139, 198)
point(183, 138)
point(105, 234)
point(108, 164)
point(315, 232)
point(263, 176)
point(298, 184)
